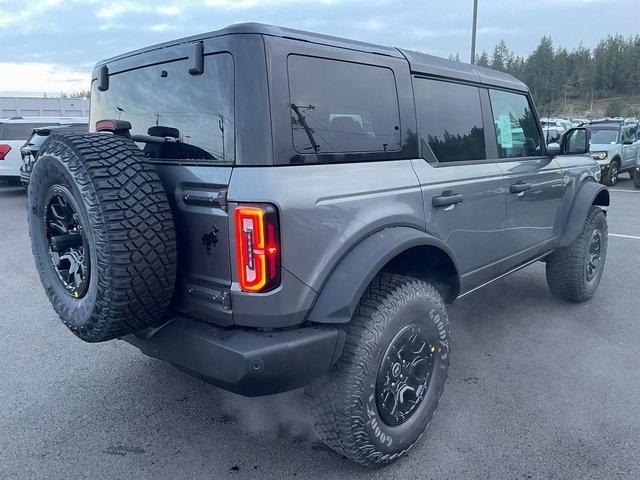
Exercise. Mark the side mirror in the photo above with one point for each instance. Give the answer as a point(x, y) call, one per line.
point(575, 141)
point(627, 141)
point(553, 149)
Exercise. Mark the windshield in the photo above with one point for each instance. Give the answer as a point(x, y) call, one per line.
point(603, 136)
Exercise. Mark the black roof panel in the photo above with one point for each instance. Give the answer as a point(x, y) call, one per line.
point(419, 62)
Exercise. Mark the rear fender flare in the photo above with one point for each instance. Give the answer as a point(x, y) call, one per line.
point(590, 194)
point(341, 293)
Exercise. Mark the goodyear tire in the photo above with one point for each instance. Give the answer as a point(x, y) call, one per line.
point(574, 272)
point(368, 407)
point(102, 235)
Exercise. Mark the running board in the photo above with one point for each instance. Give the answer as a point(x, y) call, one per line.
point(519, 267)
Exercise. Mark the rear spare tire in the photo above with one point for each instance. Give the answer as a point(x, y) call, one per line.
point(102, 235)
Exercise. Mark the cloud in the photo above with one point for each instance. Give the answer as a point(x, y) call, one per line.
point(74, 33)
point(246, 4)
point(161, 27)
point(25, 14)
point(117, 9)
point(42, 77)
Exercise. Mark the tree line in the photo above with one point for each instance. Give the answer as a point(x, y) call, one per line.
point(555, 74)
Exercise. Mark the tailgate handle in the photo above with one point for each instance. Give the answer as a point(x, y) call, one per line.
point(217, 199)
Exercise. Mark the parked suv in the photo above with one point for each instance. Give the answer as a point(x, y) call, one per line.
point(14, 132)
point(615, 145)
point(269, 209)
point(31, 148)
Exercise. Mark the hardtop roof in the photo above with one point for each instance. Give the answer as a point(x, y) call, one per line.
point(419, 63)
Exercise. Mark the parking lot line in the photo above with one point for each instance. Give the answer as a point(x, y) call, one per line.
point(622, 190)
point(633, 237)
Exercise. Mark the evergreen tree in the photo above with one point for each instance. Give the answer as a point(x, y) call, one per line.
point(554, 73)
point(483, 60)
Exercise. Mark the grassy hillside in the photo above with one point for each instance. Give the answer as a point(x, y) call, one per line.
point(626, 106)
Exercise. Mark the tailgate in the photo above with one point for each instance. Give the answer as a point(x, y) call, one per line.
point(198, 200)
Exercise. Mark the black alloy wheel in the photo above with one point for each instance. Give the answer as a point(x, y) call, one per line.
point(67, 241)
point(405, 371)
point(594, 259)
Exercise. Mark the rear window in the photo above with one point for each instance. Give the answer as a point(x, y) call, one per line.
point(38, 138)
point(20, 131)
point(165, 100)
point(342, 107)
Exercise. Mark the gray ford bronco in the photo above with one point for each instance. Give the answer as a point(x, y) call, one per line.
point(269, 209)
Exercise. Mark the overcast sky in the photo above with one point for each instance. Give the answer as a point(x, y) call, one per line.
point(51, 45)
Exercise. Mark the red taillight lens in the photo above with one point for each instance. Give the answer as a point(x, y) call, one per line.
point(257, 247)
point(4, 149)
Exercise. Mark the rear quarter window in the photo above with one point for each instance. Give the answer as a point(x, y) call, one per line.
point(165, 100)
point(342, 107)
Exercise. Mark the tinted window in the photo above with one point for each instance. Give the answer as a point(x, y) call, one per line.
point(449, 120)
point(342, 107)
point(165, 100)
point(629, 134)
point(517, 131)
point(552, 135)
point(38, 138)
point(20, 131)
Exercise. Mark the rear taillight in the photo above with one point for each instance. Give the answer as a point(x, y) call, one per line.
point(257, 247)
point(4, 149)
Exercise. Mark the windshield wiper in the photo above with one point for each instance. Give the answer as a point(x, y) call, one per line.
point(306, 127)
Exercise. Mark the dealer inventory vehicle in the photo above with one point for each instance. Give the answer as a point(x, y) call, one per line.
point(31, 148)
point(270, 209)
point(615, 145)
point(14, 132)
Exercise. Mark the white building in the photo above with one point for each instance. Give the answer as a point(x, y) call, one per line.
point(43, 107)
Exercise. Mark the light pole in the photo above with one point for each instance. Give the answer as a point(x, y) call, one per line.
point(473, 32)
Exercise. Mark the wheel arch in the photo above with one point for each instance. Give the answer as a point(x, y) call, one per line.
point(589, 194)
point(403, 250)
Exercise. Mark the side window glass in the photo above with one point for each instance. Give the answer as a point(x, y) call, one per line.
point(449, 121)
point(342, 107)
point(628, 135)
point(517, 133)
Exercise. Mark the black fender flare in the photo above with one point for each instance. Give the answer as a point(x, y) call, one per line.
point(590, 194)
point(340, 294)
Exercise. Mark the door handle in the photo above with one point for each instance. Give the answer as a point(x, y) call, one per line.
point(447, 200)
point(520, 187)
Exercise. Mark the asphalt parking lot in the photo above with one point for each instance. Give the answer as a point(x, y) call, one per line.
point(537, 389)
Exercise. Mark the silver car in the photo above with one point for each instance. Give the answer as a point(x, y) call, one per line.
point(615, 146)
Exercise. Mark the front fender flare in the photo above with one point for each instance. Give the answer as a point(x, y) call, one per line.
point(590, 193)
point(341, 293)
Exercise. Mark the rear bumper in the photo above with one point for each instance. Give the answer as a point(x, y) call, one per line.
point(248, 362)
